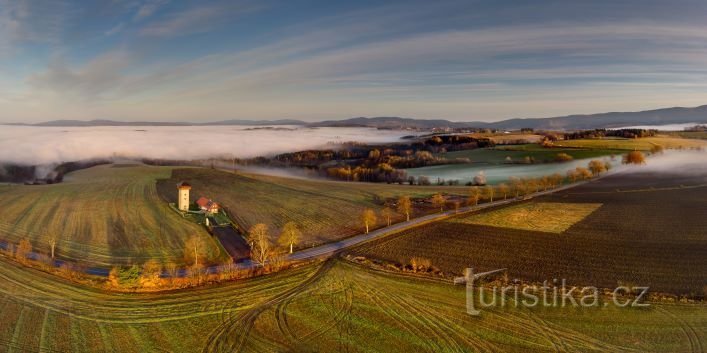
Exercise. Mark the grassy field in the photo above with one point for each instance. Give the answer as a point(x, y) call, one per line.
point(102, 215)
point(688, 134)
point(553, 217)
point(650, 230)
point(644, 144)
point(518, 153)
point(324, 210)
point(333, 306)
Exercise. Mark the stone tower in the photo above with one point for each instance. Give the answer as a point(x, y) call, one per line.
point(183, 198)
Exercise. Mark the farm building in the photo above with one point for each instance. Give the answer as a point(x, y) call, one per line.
point(183, 199)
point(207, 205)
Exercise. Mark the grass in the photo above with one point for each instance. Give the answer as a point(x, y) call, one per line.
point(652, 237)
point(518, 153)
point(324, 210)
point(688, 134)
point(553, 217)
point(336, 306)
point(644, 144)
point(101, 216)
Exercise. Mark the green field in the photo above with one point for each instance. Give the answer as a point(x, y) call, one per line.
point(518, 153)
point(644, 144)
point(553, 217)
point(101, 216)
point(324, 210)
point(335, 306)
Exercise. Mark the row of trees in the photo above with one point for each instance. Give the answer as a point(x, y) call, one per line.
point(515, 187)
point(262, 248)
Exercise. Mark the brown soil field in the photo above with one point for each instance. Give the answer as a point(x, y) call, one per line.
point(651, 230)
point(324, 210)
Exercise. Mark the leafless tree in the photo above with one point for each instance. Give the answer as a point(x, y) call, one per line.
point(369, 218)
point(259, 238)
point(634, 157)
point(503, 189)
point(438, 201)
point(387, 214)
point(194, 249)
point(290, 236)
point(405, 206)
point(489, 192)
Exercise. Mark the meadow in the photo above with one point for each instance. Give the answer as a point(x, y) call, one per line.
point(638, 235)
point(320, 307)
point(104, 215)
point(323, 210)
point(518, 154)
point(641, 144)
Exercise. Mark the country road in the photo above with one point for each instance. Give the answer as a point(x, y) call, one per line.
point(331, 248)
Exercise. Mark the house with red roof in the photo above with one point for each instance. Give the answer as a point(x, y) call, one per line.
point(207, 205)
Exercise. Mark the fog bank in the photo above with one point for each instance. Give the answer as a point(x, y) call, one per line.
point(47, 145)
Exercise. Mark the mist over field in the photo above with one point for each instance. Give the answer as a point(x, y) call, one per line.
point(48, 145)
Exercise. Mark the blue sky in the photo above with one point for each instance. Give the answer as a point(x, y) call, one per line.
point(167, 60)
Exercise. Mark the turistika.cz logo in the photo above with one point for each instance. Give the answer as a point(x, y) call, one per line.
point(553, 293)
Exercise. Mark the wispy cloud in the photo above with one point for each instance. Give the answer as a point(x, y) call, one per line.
point(148, 8)
point(429, 59)
point(197, 19)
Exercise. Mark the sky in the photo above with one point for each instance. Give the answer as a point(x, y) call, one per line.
point(168, 60)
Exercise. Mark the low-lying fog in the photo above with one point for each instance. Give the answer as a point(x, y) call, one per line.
point(47, 145)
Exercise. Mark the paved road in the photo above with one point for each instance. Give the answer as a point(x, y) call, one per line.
point(330, 248)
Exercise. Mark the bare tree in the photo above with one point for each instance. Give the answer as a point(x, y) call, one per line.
point(150, 275)
point(474, 195)
point(583, 173)
point(503, 189)
point(457, 204)
point(489, 192)
point(634, 157)
point(23, 249)
point(438, 201)
point(405, 206)
point(53, 239)
point(369, 218)
point(194, 249)
point(387, 214)
point(518, 185)
point(290, 236)
point(259, 239)
point(596, 167)
point(572, 175)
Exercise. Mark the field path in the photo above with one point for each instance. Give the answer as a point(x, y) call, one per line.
point(331, 248)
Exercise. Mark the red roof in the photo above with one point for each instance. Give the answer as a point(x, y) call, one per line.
point(203, 202)
point(206, 204)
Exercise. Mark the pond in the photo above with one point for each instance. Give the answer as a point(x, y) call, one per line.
point(498, 173)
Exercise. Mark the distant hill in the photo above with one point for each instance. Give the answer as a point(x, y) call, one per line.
point(570, 122)
point(664, 116)
point(82, 123)
point(394, 123)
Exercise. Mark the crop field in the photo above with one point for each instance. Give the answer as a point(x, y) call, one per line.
point(553, 217)
point(639, 235)
point(644, 144)
point(334, 306)
point(102, 216)
point(518, 153)
point(324, 210)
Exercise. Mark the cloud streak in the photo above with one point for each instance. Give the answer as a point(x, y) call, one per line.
point(393, 60)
